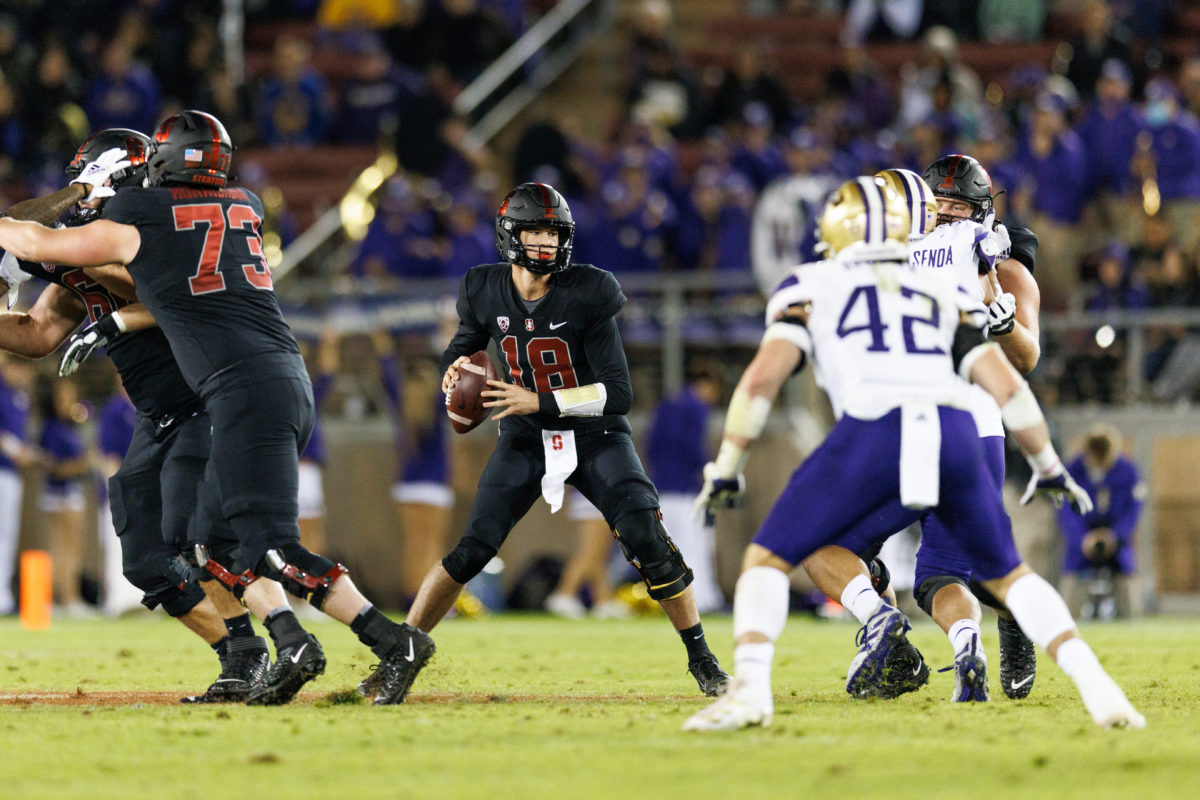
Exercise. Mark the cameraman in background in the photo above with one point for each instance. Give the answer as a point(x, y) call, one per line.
point(1098, 551)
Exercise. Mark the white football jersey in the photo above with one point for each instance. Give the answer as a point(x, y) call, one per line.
point(879, 331)
point(952, 247)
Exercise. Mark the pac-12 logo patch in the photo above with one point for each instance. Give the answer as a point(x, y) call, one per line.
point(528, 324)
point(503, 323)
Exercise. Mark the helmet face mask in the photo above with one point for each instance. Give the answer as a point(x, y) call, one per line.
point(533, 206)
point(960, 177)
point(137, 147)
point(190, 147)
point(864, 210)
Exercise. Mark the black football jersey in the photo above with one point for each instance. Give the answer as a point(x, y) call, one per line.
point(569, 339)
point(202, 274)
point(1024, 246)
point(143, 358)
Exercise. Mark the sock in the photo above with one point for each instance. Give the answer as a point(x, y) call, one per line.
point(752, 663)
point(284, 628)
point(376, 631)
point(960, 634)
point(760, 603)
point(240, 626)
point(693, 640)
point(221, 648)
point(861, 599)
point(1038, 609)
point(1076, 658)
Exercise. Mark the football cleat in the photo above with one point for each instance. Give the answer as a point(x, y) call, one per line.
point(1018, 659)
point(399, 669)
point(295, 665)
point(904, 671)
point(241, 670)
point(970, 674)
point(741, 707)
point(711, 679)
point(883, 631)
point(369, 687)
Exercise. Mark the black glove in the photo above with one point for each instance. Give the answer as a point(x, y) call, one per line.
point(83, 342)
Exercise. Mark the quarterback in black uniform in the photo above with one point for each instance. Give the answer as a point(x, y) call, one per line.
point(193, 250)
point(562, 416)
point(153, 494)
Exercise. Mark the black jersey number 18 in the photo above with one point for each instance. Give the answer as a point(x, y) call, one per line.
point(546, 358)
point(208, 277)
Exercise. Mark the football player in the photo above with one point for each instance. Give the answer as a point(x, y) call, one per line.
point(889, 343)
point(561, 414)
point(194, 256)
point(153, 494)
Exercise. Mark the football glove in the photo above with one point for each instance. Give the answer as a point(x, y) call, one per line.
point(97, 173)
point(995, 247)
point(1058, 485)
point(13, 276)
point(1002, 314)
point(718, 492)
point(81, 344)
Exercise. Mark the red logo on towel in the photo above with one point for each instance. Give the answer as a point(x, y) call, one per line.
point(556, 442)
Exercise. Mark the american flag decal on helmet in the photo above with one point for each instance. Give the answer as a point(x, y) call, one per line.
point(191, 155)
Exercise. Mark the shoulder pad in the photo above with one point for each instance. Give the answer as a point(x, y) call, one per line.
point(1024, 246)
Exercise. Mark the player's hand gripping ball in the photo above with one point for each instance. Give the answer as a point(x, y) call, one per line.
point(464, 403)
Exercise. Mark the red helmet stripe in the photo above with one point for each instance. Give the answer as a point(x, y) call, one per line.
point(546, 200)
point(951, 170)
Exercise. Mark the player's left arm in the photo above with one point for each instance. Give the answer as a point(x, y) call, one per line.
point(47, 209)
point(116, 279)
point(95, 244)
point(1018, 336)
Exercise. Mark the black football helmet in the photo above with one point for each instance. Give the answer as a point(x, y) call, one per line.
point(961, 178)
point(136, 144)
point(190, 147)
point(534, 205)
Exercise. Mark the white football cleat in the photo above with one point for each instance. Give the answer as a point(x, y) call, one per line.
point(565, 606)
point(741, 707)
point(1107, 704)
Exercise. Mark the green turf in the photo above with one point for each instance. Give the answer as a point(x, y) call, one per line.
point(531, 707)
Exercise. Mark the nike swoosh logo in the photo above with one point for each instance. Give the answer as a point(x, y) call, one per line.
point(555, 326)
point(295, 657)
point(916, 670)
point(1018, 684)
point(411, 655)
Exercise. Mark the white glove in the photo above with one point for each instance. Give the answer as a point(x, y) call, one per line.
point(1058, 485)
point(717, 493)
point(97, 173)
point(13, 276)
point(995, 247)
point(1002, 314)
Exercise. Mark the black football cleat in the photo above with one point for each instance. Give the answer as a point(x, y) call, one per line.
point(399, 668)
point(243, 668)
point(369, 687)
point(712, 680)
point(295, 665)
point(904, 671)
point(1018, 659)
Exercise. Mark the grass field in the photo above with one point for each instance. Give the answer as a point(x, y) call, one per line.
point(533, 707)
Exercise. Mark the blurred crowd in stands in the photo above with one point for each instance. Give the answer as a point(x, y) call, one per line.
point(1085, 113)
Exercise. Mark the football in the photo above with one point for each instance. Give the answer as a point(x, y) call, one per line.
point(464, 404)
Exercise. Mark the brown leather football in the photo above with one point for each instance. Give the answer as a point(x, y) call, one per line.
point(464, 403)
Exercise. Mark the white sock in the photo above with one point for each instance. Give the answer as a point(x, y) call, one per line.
point(1038, 609)
point(861, 599)
point(1076, 658)
point(960, 634)
point(760, 602)
point(752, 663)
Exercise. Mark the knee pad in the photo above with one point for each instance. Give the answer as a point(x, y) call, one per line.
point(986, 597)
point(211, 569)
point(924, 593)
point(468, 558)
point(646, 545)
point(167, 583)
point(881, 577)
point(301, 572)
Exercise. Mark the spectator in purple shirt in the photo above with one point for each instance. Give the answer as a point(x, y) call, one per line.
point(676, 451)
point(16, 377)
point(292, 100)
point(124, 94)
point(62, 500)
point(114, 431)
point(1100, 544)
point(1175, 153)
point(401, 241)
point(422, 491)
